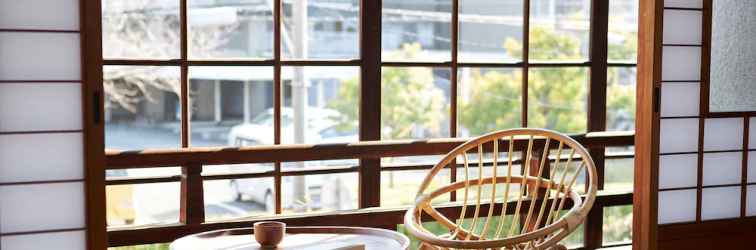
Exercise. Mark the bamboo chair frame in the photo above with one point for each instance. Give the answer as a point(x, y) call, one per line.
point(538, 230)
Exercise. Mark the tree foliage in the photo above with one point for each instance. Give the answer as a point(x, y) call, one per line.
point(557, 97)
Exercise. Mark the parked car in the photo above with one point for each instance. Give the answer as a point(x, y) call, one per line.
point(322, 191)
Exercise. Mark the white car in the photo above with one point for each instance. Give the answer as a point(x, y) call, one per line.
point(322, 191)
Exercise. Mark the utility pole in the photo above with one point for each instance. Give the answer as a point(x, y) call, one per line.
point(299, 93)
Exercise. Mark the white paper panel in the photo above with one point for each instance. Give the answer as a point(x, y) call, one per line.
point(20, 159)
point(751, 167)
point(74, 240)
point(678, 135)
point(684, 3)
point(722, 168)
point(752, 133)
point(37, 107)
point(723, 134)
point(41, 207)
point(681, 63)
point(719, 203)
point(682, 27)
point(46, 14)
point(678, 171)
point(751, 200)
point(680, 99)
point(677, 206)
point(39, 56)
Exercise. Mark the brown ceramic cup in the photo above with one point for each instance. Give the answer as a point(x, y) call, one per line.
point(269, 233)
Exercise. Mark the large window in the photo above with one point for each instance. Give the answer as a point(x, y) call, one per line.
point(192, 74)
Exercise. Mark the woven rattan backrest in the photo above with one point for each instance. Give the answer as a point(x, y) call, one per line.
point(534, 187)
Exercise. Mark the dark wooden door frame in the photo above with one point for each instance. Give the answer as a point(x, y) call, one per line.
point(94, 133)
point(647, 124)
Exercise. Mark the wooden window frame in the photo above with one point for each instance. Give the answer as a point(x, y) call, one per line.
point(369, 150)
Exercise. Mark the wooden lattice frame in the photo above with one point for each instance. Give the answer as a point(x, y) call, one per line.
point(547, 229)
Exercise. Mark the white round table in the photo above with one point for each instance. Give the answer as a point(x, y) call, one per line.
point(303, 238)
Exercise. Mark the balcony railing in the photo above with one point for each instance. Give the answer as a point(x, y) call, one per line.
point(192, 208)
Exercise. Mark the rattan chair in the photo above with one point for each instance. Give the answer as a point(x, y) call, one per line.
point(552, 164)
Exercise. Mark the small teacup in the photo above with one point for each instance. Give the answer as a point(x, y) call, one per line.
point(269, 233)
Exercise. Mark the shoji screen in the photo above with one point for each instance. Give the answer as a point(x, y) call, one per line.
point(42, 188)
point(703, 158)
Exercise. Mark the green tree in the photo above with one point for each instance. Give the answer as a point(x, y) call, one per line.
point(556, 96)
point(409, 101)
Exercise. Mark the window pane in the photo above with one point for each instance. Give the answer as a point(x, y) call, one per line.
point(416, 30)
point(557, 99)
point(619, 174)
point(490, 30)
point(559, 30)
point(618, 224)
point(321, 192)
point(623, 30)
point(231, 106)
point(330, 104)
point(489, 99)
point(398, 188)
point(141, 29)
point(620, 98)
point(230, 29)
point(233, 199)
point(332, 29)
point(414, 102)
point(142, 107)
point(143, 204)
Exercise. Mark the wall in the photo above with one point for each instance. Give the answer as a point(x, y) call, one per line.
point(42, 187)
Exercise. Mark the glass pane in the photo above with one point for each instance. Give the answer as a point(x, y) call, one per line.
point(559, 30)
point(416, 30)
point(141, 29)
point(321, 193)
point(490, 30)
point(414, 102)
point(398, 188)
point(233, 199)
point(618, 224)
point(142, 107)
point(623, 30)
point(576, 239)
point(142, 204)
point(230, 29)
point(557, 99)
point(619, 174)
point(489, 99)
point(332, 29)
point(733, 58)
point(620, 98)
point(325, 109)
point(231, 106)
